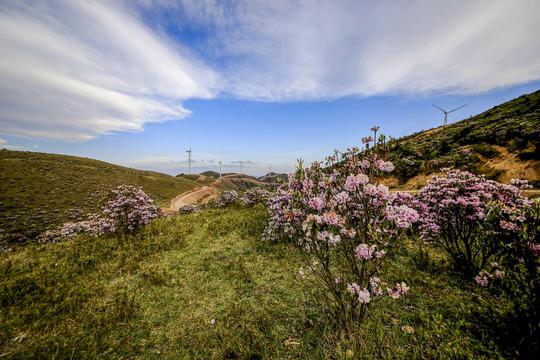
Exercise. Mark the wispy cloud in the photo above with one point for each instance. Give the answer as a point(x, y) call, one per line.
point(305, 50)
point(77, 69)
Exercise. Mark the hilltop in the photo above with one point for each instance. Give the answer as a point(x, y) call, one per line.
point(39, 191)
point(501, 143)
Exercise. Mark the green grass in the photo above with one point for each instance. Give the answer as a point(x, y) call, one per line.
point(154, 294)
point(40, 191)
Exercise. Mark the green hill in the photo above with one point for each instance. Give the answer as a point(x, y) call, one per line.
point(211, 174)
point(274, 178)
point(39, 191)
point(502, 143)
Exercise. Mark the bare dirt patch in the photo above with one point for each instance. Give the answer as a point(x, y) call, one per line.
point(513, 167)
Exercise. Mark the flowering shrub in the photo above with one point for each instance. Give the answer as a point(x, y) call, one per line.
point(226, 198)
point(187, 209)
point(129, 207)
point(256, 196)
point(453, 207)
point(345, 225)
point(516, 266)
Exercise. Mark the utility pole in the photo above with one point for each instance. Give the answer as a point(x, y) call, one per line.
point(220, 169)
point(189, 159)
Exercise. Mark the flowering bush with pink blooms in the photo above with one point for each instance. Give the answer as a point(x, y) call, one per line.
point(515, 268)
point(256, 195)
point(129, 207)
point(451, 210)
point(226, 198)
point(345, 225)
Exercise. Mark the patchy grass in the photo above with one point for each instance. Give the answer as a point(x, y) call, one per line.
point(204, 286)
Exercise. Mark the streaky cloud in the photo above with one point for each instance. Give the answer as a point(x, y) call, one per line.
point(76, 70)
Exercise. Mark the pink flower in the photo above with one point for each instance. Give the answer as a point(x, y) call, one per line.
point(353, 288)
point(363, 251)
point(317, 203)
point(364, 297)
point(402, 288)
point(331, 218)
point(482, 281)
point(384, 166)
point(354, 181)
point(392, 293)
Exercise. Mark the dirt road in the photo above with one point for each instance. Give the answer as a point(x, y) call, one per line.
point(191, 197)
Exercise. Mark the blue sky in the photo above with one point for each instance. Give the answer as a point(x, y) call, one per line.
point(139, 82)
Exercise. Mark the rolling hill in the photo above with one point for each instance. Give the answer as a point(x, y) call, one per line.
point(39, 191)
point(501, 143)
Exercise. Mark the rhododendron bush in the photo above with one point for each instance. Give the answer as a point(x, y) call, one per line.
point(516, 267)
point(452, 209)
point(345, 225)
point(129, 207)
point(226, 198)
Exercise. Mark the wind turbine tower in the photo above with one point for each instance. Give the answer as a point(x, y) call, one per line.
point(189, 159)
point(448, 112)
point(240, 166)
point(220, 169)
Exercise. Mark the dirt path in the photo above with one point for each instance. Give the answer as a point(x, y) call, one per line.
point(191, 197)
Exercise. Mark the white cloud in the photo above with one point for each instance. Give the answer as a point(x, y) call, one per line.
point(305, 50)
point(76, 69)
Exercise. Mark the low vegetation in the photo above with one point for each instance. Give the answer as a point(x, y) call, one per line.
point(203, 286)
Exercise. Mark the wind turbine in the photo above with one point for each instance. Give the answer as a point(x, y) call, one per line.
point(220, 169)
point(448, 112)
point(189, 157)
point(240, 166)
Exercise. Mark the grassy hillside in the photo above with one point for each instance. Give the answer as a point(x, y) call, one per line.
point(275, 178)
point(502, 143)
point(204, 286)
point(211, 174)
point(40, 190)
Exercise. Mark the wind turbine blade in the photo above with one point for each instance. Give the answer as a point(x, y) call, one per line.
point(439, 108)
point(458, 108)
